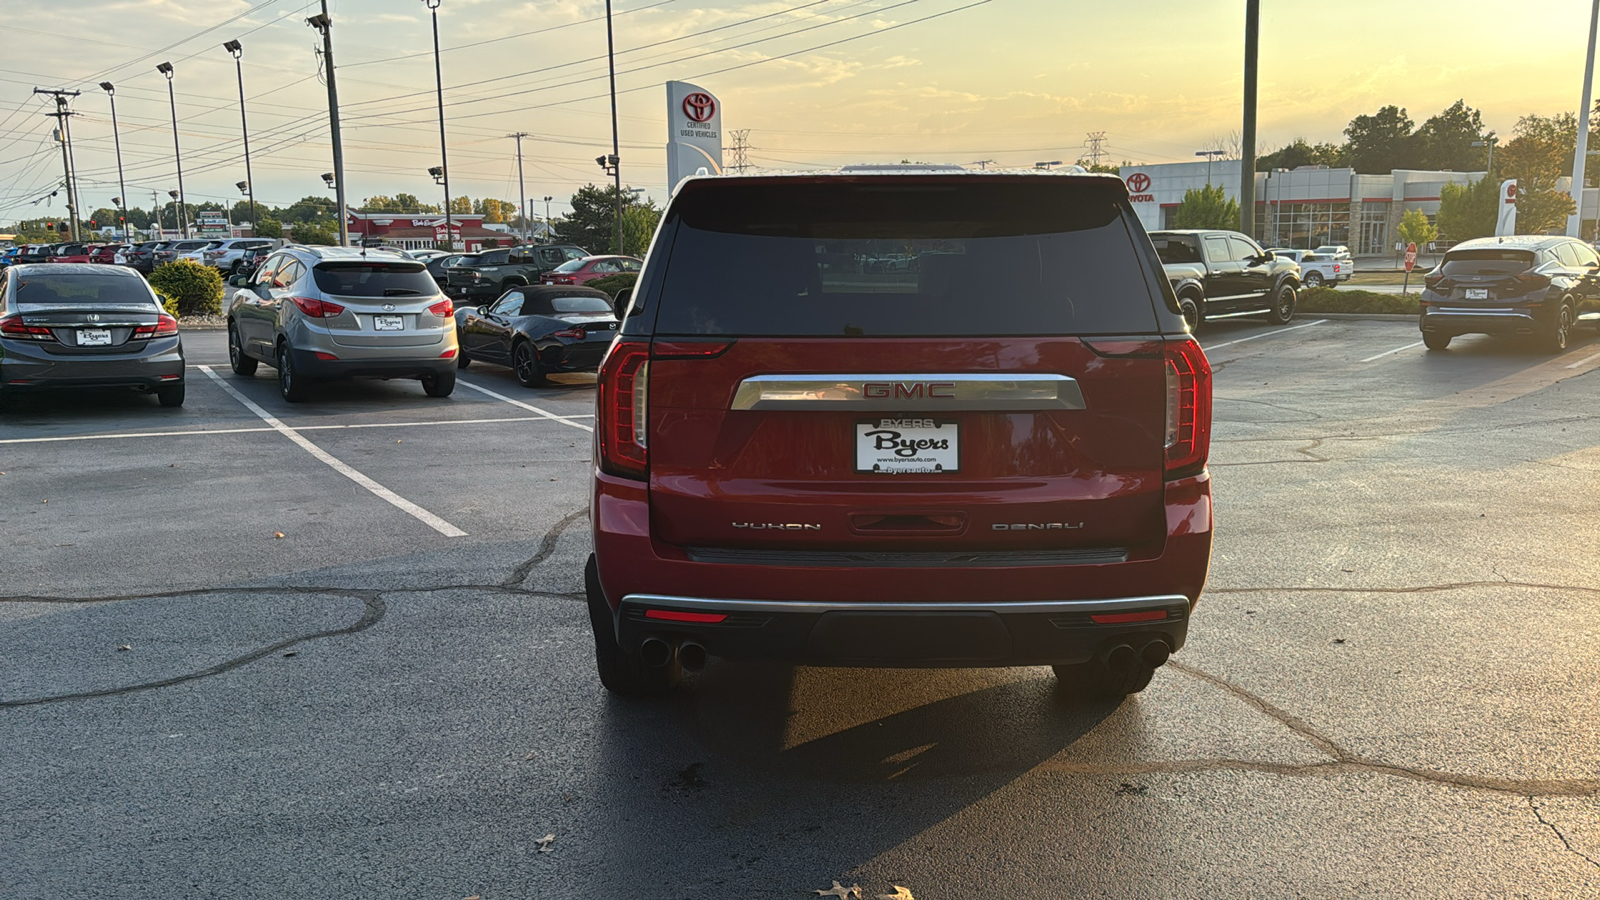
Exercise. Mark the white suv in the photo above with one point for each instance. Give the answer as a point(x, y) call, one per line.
point(227, 254)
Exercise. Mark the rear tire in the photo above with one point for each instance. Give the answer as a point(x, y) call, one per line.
point(621, 673)
point(440, 385)
point(243, 366)
point(1560, 332)
point(462, 359)
point(1313, 279)
point(291, 384)
point(525, 363)
point(1189, 306)
point(1283, 303)
point(1093, 682)
point(1435, 341)
point(171, 395)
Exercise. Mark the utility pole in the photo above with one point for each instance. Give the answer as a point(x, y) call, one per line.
point(616, 146)
point(237, 50)
point(1247, 166)
point(322, 23)
point(741, 151)
point(155, 207)
point(64, 135)
point(983, 164)
point(522, 190)
point(1575, 221)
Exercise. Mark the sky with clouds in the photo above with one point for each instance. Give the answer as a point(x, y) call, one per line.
point(817, 83)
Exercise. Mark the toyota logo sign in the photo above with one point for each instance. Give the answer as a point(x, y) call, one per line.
point(1138, 183)
point(699, 107)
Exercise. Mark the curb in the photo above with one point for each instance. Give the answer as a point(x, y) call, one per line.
point(1363, 316)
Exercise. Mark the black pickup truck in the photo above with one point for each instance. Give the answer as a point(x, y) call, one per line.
point(1221, 274)
point(493, 272)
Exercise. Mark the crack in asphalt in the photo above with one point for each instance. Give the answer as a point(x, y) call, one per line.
point(370, 616)
point(1347, 761)
point(1308, 451)
point(1415, 589)
point(1537, 814)
point(547, 546)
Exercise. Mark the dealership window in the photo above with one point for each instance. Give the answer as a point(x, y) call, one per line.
point(1374, 234)
point(1303, 226)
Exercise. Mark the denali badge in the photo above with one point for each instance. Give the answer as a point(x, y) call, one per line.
point(1037, 526)
point(778, 526)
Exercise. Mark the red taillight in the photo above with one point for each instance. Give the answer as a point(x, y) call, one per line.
point(575, 334)
point(317, 309)
point(443, 309)
point(563, 279)
point(448, 354)
point(1188, 408)
point(1526, 283)
point(325, 357)
point(12, 327)
point(688, 349)
point(673, 615)
point(1149, 615)
point(1434, 280)
point(166, 326)
point(622, 404)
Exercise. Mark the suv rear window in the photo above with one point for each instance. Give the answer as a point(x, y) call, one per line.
point(369, 279)
point(1034, 256)
point(1486, 262)
point(81, 290)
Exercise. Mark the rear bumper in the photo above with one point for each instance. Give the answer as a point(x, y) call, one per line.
point(308, 365)
point(481, 291)
point(576, 357)
point(1457, 320)
point(897, 616)
point(25, 366)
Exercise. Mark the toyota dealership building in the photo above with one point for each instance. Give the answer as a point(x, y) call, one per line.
point(1309, 206)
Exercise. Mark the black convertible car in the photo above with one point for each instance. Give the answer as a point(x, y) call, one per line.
point(537, 330)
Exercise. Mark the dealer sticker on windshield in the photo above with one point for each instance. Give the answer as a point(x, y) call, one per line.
point(907, 446)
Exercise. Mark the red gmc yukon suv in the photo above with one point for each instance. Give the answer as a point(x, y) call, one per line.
point(900, 417)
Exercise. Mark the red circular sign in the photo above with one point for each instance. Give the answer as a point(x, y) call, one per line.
point(1138, 182)
point(699, 107)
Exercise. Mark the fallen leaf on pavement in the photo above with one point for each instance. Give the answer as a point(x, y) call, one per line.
point(277, 534)
point(121, 647)
point(545, 842)
point(900, 893)
point(840, 891)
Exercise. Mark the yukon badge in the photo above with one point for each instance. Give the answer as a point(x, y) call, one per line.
point(778, 526)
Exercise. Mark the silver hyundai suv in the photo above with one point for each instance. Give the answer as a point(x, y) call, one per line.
point(319, 313)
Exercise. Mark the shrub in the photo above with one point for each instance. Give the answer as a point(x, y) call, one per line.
point(613, 284)
point(1332, 300)
point(188, 288)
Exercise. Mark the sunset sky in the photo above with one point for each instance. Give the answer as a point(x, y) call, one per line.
point(1014, 81)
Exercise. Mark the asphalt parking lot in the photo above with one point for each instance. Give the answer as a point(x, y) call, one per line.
point(250, 649)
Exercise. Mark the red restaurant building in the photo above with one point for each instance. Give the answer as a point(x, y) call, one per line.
point(423, 231)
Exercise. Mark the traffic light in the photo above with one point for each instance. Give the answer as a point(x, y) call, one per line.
point(49, 226)
point(92, 224)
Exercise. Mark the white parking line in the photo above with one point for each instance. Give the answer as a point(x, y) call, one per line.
point(1395, 350)
point(1586, 359)
point(378, 490)
point(1262, 335)
point(203, 431)
point(527, 406)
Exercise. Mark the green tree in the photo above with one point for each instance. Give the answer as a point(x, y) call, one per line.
point(1468, 211)
point(590, 224)
point(1301, 153)
point(315, 233)
point(1415, 228)
point(1380, 142)
point(461, 205)
point(1539, 153)
point(308, 209)
point(1206, 207)
point(639, 223)
point(1445, 141)
point(268, 227)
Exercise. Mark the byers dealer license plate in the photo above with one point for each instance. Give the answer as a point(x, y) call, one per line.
point(907, 446)
point(388, 323)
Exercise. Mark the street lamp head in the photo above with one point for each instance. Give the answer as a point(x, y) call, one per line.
point(548, 199)
point(243, 186)
point(108, 87)
point(234, 47)
point(116, 201)
point(328, 178)
point(431, 4)
point(172, 194)
point(319, 21)
point(165, 69)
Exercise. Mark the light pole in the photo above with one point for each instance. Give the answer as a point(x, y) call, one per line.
point(1580, 158)
point(444, 158)
point(111, 92)
point(177, 155)
point(324, 25)
point(1209, 155)
point(237, 49)
point(616, 151)
point(1488, 167)
point(548, 234)
point(1047, 165)
point(1247, 166)
point(177, 213)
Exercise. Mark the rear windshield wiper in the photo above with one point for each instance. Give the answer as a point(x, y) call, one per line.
point(399, 292)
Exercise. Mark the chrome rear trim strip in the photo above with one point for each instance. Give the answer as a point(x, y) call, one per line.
point(701, 604)
point(910, 392)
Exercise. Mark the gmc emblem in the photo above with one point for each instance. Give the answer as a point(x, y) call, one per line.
point(909, 390)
